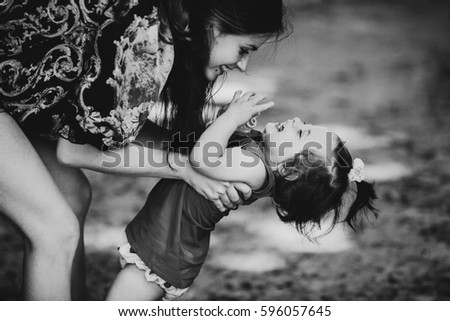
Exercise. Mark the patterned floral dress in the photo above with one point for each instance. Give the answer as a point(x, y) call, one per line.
point(90, 71)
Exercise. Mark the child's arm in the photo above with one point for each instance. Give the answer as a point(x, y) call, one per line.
point(210, 155)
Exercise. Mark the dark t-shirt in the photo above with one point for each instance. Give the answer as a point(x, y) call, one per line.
point(171, 233)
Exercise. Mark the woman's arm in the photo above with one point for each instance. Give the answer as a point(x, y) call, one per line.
point(138, 160)
point(134, 160)
point(210, 155)
point(145, 157)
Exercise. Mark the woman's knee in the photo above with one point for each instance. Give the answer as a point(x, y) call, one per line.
point(57, 232)
point(71, 181)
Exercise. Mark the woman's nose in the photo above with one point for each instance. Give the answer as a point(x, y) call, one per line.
point(242, 64)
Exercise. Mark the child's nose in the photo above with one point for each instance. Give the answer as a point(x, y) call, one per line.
point(297, 123)
point(298, 120)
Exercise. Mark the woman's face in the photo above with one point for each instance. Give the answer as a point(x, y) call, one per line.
point(231, 51)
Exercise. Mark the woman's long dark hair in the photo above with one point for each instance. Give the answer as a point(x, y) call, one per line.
point(187, 90)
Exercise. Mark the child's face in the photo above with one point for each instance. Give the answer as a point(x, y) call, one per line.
point(283, 140)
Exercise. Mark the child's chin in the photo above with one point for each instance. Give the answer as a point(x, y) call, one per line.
point(211, 74)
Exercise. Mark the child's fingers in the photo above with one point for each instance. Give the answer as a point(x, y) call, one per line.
point(256, 98)
point(262, 107)
point(237, 94)
point(248, 95)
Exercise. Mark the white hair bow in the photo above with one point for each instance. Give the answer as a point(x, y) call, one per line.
point(356, 174)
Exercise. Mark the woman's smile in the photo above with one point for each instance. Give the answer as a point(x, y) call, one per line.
point(224, 69)
point(229, 52)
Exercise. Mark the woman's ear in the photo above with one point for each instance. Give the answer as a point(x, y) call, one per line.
point(287, 172)
point(213, 30)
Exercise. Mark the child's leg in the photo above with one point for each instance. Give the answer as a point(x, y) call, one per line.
point(131, 285)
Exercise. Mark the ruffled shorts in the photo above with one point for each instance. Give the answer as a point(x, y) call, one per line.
point(128, 257)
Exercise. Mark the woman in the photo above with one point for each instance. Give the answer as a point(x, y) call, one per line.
point(94, 74)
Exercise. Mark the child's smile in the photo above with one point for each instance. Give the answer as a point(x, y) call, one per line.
point(283, 140)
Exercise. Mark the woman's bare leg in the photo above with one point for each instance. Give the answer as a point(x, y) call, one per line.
point(32, 200)
point(130, 285)
point(77, 191)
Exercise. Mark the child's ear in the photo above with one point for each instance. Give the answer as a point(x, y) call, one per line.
point(289, 173)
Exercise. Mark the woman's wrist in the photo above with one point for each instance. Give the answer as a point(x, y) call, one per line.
point(179, 165)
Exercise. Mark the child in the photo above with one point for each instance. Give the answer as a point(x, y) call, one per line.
point(167, 242)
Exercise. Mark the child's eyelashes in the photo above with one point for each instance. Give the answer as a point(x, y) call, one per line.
point(280, 127)
point(302, 133)
point(244, 52)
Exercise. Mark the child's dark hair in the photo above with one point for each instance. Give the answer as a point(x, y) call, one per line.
point(190, 21)
point(306, 191)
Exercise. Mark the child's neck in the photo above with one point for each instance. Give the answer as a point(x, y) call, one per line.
point(269, 162)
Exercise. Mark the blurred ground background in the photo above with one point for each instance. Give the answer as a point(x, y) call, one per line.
point(378, 73)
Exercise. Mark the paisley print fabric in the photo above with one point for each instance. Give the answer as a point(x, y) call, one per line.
point(90, 71)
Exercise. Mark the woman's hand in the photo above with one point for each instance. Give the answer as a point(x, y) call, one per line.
point(224, 195)
point(243, 107)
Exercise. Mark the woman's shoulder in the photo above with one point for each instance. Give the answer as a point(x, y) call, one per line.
point(133, 77)
point(96, 70)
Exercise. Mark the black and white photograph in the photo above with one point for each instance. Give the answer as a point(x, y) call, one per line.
point(225, 150)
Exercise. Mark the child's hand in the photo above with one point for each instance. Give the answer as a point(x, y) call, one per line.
point(245, 106)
